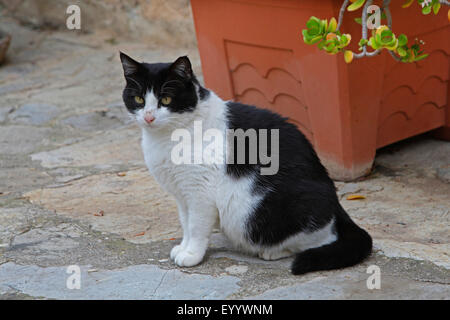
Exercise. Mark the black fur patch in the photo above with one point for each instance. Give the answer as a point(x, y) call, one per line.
point(301, 196)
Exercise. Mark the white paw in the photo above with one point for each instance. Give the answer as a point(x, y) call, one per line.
point(175, 251)
point(188, 259)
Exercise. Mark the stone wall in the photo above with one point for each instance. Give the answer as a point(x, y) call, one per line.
point(167, 22)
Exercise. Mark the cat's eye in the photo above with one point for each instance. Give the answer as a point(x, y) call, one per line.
point(166, 100)
point(138, 100)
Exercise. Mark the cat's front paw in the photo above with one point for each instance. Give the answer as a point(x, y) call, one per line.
point(188, 259)
point(175, 251)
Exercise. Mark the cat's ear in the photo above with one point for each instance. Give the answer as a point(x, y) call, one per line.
point(182, 67)
point(129, 65)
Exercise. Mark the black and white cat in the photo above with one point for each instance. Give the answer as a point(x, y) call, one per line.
point(294, 211)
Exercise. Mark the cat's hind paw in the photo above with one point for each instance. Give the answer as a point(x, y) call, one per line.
point(188, 259)
point(274, 254)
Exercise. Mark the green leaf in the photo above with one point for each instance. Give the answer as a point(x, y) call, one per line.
point(348, 56)
point(421, 57)
point(402, 40)
point(374, 44)
point(407, 4)
point(321, 45)
point(332, 26)
point(313, 24)
point(315, 39)
point(331, 46)
point(356, 5)
point(426, 10)
point(436, 7)
point(363, 42)
point(323, 26)
point(402, 52)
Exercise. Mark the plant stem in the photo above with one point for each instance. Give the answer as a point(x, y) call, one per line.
point(364, 52)
point(341, 13)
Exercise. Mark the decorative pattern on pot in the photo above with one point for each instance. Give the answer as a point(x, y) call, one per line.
point(266, 76)
point(420, 95)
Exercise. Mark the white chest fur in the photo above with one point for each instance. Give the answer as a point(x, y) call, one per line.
point(196, 185)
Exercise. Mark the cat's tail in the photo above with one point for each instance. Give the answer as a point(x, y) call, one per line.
point(352, 246)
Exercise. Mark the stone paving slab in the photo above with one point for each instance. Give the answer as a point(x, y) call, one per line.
point(106, 149)
point(131, 202)
point(135, 282)
point(34, 114)
point(343, 289)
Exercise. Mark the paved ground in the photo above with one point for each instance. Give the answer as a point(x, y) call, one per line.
point(68, 153)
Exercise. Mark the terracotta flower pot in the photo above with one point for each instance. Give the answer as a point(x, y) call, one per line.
point(252, 51)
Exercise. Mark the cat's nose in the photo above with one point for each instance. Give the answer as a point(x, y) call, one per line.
point(148, 117)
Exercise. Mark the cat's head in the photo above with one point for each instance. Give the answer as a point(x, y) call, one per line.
point(159, 95)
